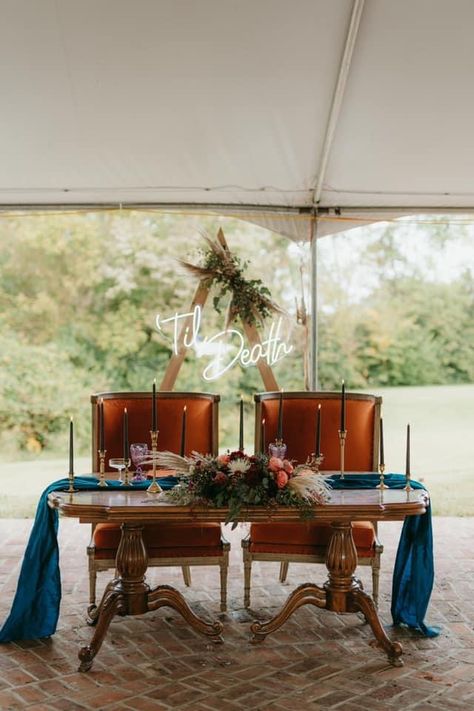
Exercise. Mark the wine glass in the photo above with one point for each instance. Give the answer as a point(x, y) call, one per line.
point(119, 464)
point(138, 452)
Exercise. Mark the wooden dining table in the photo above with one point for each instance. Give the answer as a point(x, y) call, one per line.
point(129, 594)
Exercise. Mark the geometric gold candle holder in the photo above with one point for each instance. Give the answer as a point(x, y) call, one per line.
point(342, 444)
point(314, 462)
point(154, 487)
point(102, 482)
point(126, 473)
point(71, 489)
point(382, 484)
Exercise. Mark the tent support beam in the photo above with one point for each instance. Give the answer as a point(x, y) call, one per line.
point(240, 209)
point(314, 380)
point(339, 91)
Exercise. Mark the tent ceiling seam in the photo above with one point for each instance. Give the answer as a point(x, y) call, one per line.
point(339, 91)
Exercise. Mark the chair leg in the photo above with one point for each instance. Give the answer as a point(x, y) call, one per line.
point(92, 588)
point(283, 570)
point(247, 577)
point(376, 579)
point(186, 575)
point(224, 568)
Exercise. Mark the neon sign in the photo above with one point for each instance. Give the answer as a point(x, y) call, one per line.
point(225, 348)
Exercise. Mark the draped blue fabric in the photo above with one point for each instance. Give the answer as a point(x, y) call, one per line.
point(413, 574)
point(35, 609)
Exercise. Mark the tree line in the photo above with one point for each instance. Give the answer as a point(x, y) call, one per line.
point(79, 295)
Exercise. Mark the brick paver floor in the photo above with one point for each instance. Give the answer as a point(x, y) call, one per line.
point(318, 660)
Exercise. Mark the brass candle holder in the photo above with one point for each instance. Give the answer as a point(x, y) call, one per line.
point(126, 473)
point(314, 462)
point(102, 482)
point(71, 489)
point(382, 484)
point(154, 487)
point(342, 444)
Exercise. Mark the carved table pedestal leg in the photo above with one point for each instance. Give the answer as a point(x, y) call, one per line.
point(128, 594)
point(341, 593)
point(167, 596)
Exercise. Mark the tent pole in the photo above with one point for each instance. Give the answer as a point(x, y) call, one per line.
point(314, 381)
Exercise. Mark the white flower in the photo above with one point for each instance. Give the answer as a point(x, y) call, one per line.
point(239, 466)
point(310, 485)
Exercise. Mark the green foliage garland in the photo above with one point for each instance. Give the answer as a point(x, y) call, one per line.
point(250, 298)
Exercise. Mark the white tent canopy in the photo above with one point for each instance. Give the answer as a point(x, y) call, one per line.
point(327, 105)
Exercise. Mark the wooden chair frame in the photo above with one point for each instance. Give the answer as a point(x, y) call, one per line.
point(286, 558)
point(98, 565)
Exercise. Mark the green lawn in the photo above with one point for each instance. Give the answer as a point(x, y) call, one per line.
point(442, 441)
point(442, 426)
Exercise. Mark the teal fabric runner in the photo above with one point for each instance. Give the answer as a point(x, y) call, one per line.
point(413, 574)
point(35, 609)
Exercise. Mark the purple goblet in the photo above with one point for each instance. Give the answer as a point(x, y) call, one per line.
point(138, 452)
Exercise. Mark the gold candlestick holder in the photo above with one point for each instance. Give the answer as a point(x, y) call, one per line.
point(408, 486)
point(102, 482)
point(382, 484)
point(71, 489)
point(342, 444)
point(154, 487)
point(126, 473)
point(314, 462)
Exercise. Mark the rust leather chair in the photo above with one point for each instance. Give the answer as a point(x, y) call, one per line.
point(307, 542)
point(167, 544)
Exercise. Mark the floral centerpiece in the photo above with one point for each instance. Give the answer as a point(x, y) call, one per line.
point(238, 480)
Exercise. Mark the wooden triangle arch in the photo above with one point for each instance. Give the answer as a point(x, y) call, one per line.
point(250, 330)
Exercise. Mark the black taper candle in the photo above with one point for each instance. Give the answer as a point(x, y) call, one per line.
point(241, 425)
point(153, 408)
point(318, 432)
point(407, 466)
point(101, 425)
point(280, 416)
point(183, 433)
point(125, 434)
point(262, 436)
point(71, 447)
point(381, 452)
point(343, 407)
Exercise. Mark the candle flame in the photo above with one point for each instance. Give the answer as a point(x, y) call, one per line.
point(319, 406)
point(154, 381)
point(185, 408)
point(72, 418)
point(263, 421)
point(125, 409)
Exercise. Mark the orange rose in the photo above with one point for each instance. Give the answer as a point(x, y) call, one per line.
point(281, 479)
point(275, 464)
point(223, 459)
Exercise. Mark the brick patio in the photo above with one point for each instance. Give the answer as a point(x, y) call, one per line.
point(316, 661)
